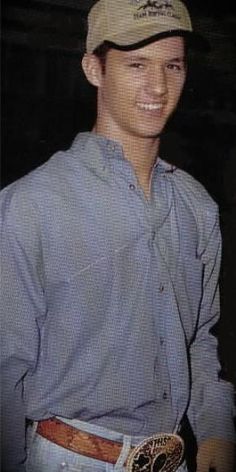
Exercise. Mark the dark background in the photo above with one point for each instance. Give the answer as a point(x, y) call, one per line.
point(46, 101)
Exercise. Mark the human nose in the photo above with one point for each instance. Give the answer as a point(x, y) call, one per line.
point(157, 82)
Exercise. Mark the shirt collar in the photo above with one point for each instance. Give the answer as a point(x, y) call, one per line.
point(101, 149)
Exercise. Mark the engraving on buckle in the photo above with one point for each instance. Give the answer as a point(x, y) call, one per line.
point(159, 453)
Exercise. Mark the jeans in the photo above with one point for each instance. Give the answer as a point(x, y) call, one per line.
point(45, 456)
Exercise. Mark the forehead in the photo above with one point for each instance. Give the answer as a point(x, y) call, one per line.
point(166, 48)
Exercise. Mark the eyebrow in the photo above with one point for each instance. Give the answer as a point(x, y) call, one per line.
point(134, 57)
point(177, 59)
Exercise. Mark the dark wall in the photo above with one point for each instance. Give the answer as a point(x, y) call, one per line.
point(46, 101)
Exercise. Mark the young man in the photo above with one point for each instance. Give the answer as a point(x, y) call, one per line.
point(110, 276)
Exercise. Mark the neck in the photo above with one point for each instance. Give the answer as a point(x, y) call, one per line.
point(140, 152)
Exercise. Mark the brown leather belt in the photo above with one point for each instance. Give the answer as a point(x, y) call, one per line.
point(78, 441)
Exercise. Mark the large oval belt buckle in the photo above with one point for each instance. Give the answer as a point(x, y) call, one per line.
point(159, 453)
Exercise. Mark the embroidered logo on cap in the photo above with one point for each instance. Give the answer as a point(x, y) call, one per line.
point(154, 8)
point(156, 5)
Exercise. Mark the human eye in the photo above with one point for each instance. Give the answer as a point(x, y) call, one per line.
point(175, 66)
point(136, 65)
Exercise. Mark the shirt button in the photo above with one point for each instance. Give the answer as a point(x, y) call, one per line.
point(165, 396)
point(64, 466)
point(161, 288)
point(111, 147)
point(132, 187)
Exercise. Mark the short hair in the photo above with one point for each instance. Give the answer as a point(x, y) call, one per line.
point(101, 53)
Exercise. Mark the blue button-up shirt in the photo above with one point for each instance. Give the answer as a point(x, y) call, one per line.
point(109, 298)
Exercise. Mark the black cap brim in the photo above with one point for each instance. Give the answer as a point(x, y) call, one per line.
point(194, 40)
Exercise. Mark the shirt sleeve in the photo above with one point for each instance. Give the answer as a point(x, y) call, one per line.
point(211, 410)
point(21, 306)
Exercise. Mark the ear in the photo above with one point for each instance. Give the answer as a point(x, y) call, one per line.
point(92, 68)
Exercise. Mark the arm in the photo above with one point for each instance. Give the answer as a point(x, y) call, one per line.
point(211, 408)
point(21, 304)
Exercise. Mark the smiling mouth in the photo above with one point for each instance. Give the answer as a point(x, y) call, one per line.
point(150, 106)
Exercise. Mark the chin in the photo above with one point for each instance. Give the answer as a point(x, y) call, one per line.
point(150, 130)
point(150, 133)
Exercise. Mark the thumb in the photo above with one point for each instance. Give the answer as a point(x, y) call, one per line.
point(203, 464)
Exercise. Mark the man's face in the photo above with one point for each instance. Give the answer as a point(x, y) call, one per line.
point(139, 90)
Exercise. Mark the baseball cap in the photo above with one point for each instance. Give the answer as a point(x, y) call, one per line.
point(130, 24)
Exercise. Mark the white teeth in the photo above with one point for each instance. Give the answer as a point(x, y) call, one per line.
point(150, 106)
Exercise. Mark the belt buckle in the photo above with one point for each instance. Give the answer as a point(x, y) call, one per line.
point(158, 453)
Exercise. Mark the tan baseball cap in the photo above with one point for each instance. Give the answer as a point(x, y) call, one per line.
point(129, 24)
